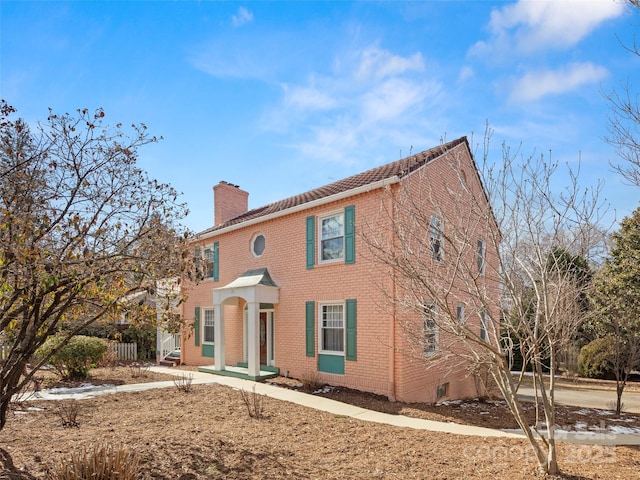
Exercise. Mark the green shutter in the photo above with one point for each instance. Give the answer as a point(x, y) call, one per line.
point(349, 235)
point(311, 241)
point(196, 326)
point(351, 330)
point(310, 328)
point(216, 262)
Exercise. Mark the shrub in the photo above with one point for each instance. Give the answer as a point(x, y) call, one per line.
point(68, 411)
point(254, 403)
point(594, 362)
point(101, 463)
point(184, 383)
point(73, 360)
point(311, 381)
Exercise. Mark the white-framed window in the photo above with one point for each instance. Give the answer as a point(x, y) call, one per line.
point(481, 256)
point(483, 325)
point(430, 330)
point(208, 326)
point(331, 328)
point(331, 244)
point(460, 313)
point(207, 258)
point(257, 245)
point(435, 238)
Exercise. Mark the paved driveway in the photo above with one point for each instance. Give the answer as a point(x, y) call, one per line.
point(588, 398)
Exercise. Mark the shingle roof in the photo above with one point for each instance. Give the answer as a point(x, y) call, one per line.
point(398, 168)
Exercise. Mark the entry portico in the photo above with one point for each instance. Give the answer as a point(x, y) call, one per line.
point(255, 287)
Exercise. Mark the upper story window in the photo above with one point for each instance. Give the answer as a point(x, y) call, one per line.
point(257, 245)
point(460, 313)
point(332, 237)
point(435, 238)
point(206, 262)
point(208, 258)
point(482, 256)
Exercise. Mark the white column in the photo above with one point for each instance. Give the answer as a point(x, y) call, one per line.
point(218, 332)
point(253, 339)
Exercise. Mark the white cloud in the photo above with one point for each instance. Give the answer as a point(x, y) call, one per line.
point(392, 99)
point(466, 72)
point(536, 85)
point(310, 98)
point(528, 26)
point(369, 96)
point(242, 17)
point(379, 64)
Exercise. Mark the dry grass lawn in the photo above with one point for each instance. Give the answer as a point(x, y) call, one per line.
point(208, 434)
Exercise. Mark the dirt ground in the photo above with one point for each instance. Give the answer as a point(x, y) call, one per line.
point(207, 433)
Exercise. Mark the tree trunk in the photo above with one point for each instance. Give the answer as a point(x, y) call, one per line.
point(509, 393)
point(8, 390)
point(619, 390)
point(550, 413)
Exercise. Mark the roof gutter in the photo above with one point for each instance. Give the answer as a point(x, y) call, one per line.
point(303, 206)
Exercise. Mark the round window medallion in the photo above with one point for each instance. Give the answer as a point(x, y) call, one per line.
point(257, 245)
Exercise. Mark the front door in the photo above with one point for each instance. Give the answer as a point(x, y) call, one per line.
point(266, 326)
point(263, 338)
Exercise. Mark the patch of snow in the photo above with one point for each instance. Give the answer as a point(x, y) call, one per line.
point(29, 409)
point(628, 420)
point(450, 402)
point(84, 388)
point(585, 411)
point(620, 430)
point(325, 389)
point(604, 413)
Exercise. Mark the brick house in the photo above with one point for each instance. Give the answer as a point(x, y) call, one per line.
point(288, 286)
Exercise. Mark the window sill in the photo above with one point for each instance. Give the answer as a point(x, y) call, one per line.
point(329, 262)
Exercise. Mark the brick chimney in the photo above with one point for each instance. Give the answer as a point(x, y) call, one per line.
point(229, 201)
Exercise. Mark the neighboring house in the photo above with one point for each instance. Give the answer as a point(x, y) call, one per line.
point(288, 286)
point(164, 298)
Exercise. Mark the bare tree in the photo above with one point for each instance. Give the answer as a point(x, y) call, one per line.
point(479, 271)
point(624, 120)
point(81, 229)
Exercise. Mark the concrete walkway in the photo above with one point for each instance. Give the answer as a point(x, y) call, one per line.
point(328, 405)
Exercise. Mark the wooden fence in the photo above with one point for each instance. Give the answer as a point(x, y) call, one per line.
point(125, 351)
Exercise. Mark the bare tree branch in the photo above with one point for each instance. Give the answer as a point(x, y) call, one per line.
point(499, 243)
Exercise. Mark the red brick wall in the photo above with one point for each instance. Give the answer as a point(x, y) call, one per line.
point(229, 201)
point(383, 365)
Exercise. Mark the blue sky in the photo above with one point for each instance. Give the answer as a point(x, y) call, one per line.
point(283, 97)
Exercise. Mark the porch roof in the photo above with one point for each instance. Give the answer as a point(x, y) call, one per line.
point(252, 278)
point(253, 285)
